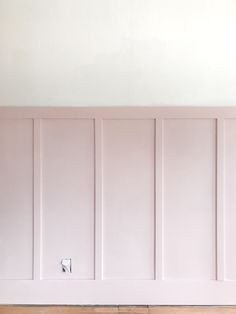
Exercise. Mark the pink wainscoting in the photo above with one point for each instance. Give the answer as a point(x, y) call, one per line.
point(230, 199)
point(128, 199)
point(189, 196)
point(141, 199)
point(67, 152)
point(16, 199)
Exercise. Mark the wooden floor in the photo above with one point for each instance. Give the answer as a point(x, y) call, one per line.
point(116, 310)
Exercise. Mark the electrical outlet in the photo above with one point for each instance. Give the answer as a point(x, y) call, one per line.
point(66, 265)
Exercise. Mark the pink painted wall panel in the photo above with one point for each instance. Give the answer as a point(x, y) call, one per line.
point(67, 197)
point(189, 156)
point(16, 199)
point(128, 199)
point(230, 199)
point(141, 199)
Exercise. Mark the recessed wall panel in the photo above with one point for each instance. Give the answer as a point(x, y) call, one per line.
point(230, 199)
point(189, 199)
point(68, 197)
point(16, 199)
point(128, 199)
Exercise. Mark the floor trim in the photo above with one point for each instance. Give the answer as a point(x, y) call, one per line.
point(9, 309)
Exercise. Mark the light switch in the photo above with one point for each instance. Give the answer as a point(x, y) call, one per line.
point(66, 265)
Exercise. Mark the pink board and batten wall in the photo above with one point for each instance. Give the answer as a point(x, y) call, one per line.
point(143, 200)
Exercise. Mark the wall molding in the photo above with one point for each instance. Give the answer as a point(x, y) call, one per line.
point(152, 287)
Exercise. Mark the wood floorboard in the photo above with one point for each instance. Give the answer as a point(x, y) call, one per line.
point(116, 309)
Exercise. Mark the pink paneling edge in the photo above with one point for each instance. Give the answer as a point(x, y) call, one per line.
point(98, 200)
point(159, 262)
point(220, 191)
point(37, 201)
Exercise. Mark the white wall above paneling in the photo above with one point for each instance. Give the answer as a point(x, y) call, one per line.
point(140, 199)
point(126, 52)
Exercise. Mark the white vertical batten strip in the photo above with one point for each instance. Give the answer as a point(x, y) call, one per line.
point(220, 189)
point(37, 200)
point(98, 199)
point(158, 199)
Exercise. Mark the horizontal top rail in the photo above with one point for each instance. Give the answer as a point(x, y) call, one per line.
point(117, 112)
